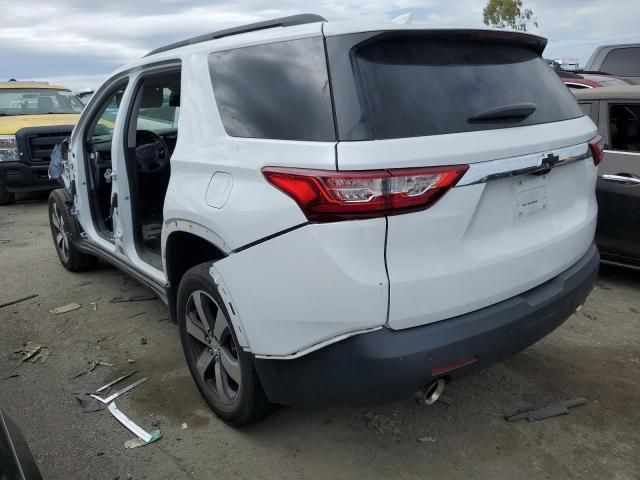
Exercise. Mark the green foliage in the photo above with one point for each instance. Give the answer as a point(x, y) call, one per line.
point(508, 14)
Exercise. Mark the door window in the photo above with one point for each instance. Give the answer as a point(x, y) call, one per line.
point(101, 130)
point(624, 127)
point(276, 91)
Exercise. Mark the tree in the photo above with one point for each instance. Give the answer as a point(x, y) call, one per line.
point(508, 14)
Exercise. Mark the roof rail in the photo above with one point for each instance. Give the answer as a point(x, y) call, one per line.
point(252, 27)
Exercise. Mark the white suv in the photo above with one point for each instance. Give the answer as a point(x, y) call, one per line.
point(338, 211)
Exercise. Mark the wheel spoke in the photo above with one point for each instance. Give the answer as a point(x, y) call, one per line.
point(54, 217)
point(220, 325)
point(198, 300)
point(65, 243)
point(230, 365)
point(220, 387)
point(60, 240)
point(196, 331)
point(204, 363)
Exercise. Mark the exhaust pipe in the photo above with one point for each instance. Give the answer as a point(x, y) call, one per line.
point(431, 393)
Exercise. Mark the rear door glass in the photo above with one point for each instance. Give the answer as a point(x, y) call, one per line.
point(276, 91)
point(417, 86)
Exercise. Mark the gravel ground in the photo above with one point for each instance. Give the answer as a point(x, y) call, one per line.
point(595, 354)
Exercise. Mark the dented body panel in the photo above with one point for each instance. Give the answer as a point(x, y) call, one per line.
point(289, 292)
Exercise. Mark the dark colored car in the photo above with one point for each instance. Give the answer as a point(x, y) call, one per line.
point(616, 111)
point(620, 60)
point(16, 460)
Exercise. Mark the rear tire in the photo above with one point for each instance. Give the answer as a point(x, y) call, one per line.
point(6, 197)
point(221, 369)
point(63, 231)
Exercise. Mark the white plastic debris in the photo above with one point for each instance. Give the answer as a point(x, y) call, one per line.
point(65, 308)
point(143, 435)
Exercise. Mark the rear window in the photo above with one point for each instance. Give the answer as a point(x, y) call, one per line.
point(624, 62)
point(276, 91)
point(418, 86)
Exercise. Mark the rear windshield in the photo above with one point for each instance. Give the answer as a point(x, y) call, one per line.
point(623, 61)
point(419, 86)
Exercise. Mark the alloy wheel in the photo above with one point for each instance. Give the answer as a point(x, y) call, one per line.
point(212, 346)
point(61, 237)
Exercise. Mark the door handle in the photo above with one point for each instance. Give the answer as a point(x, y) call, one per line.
point(622, 179)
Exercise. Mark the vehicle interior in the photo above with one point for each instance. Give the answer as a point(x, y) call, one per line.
point(151, 132)
point(98, 143)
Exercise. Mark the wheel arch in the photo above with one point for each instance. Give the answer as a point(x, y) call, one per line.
point(182, 251)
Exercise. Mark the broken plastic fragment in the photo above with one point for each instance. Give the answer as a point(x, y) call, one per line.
point(143, 435)
point(29, 350)
point(65, 308)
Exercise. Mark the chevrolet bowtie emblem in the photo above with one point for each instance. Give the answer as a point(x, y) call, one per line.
point(550, 160)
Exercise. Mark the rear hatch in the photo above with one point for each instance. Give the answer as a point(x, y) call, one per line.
point(525, 209)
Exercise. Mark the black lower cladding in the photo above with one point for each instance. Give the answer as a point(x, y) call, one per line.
point(386, 364)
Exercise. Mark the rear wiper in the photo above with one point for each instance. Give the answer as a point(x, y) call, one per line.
point(515, 111)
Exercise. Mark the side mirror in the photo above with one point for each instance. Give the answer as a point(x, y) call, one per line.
point(59, 154)
point(16, 460)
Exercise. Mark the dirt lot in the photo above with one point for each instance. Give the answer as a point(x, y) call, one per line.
point(595, 354)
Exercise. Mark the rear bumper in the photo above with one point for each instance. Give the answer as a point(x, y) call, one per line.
point(20, 177)
point(389, 364)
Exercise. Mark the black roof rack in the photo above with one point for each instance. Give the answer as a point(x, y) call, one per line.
point(252, 27)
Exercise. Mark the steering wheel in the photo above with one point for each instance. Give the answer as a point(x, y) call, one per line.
point(152, 152)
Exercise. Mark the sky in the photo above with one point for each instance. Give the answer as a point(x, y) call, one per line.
point(79, 42)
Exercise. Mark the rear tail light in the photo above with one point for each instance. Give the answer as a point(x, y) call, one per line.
point(596, 145)
point(328, 196)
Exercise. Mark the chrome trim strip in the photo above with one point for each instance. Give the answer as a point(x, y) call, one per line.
point(620, 152)
point(540, 162)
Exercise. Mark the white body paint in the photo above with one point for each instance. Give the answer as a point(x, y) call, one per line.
point(317, 284)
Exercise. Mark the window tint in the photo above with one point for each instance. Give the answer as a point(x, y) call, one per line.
point(624, 127)
point(417, 86)
point(278, 91)
point(623, 61)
